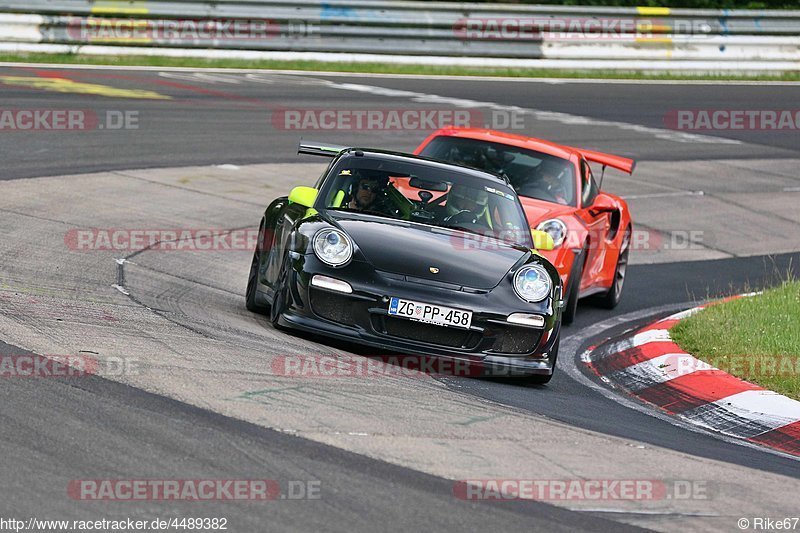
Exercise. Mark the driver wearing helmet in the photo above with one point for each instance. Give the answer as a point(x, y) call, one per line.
point(368, 194)
point(466, 205)
point(547, 178)
point(469, 156)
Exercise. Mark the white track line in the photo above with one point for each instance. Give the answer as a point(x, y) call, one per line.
point(538, 114)
point(504, 79)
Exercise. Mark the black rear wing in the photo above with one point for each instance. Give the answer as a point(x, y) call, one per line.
point(320, 148)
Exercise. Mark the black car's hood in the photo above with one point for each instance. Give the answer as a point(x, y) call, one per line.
point(414, 249)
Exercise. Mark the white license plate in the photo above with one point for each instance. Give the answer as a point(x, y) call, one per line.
point(433, 314)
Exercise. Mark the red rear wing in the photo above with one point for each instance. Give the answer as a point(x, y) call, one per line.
point(614, 161)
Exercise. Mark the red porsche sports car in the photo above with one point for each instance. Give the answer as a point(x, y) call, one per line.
point(591, 229)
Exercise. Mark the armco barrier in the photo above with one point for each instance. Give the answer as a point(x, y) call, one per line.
point(524, 32)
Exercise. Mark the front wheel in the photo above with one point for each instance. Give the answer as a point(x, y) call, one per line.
point(611, 299)
point(252, 285)
point(279, 299)
point(573, 289)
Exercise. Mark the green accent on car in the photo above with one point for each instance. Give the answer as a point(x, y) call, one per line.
point(305, 196)
point(542, 240)
point(403, 204)
point(338, 199)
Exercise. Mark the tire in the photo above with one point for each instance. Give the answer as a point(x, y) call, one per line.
point(252, 283)
point(612, 298)
point(279, 299)
point(574, 289)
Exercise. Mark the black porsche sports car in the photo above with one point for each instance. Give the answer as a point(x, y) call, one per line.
point(410, 255)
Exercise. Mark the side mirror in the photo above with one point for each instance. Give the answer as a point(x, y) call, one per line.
point(542, 240)
point(603, 204)
point(305, 196)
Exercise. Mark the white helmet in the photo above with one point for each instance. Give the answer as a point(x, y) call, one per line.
point(463, 198)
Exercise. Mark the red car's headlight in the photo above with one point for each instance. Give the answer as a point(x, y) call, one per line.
point(555, 228)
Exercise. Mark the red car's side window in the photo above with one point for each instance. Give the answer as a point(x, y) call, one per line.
point(589, 188)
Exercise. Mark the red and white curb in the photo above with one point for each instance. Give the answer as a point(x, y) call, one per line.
point(647, 364)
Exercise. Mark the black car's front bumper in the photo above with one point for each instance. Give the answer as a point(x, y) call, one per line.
point(491, 344)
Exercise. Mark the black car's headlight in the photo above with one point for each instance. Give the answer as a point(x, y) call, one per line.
point(532, 283)
point(555, 228)
point(333, 247)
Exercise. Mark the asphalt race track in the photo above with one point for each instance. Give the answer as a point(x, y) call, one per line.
point(207, 151)
point(204, 108)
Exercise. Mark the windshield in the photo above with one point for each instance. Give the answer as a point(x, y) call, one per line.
point(533, 174)
point(416, 192)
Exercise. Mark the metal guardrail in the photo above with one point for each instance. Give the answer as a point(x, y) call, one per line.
point(410, 28)
point(428, 14)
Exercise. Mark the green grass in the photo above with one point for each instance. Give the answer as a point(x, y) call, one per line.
point(755, 338)
point(380, 68)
